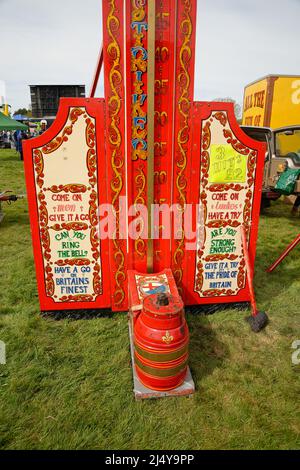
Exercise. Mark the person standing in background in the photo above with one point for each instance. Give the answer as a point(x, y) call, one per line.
point(18, 140)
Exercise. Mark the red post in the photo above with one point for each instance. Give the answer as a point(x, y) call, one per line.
point(97, 74)
point(284, 254)
point(249, 270)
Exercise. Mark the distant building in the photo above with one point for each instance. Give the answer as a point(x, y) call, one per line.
point(45, 98)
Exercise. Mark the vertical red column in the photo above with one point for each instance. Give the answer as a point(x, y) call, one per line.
point(114, 59)
point(184, 95)
point(137, 129)
point(164, 129)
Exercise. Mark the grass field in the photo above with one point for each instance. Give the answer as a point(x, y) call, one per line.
point(68, 384)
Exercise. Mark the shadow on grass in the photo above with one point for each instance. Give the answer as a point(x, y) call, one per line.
point(11, 219)
point(75, 315)
point(207, 352)
point(278, 213)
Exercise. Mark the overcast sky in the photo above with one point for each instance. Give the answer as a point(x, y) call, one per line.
point(58, 41)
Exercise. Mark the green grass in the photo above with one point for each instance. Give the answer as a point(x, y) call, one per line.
point(68, 384)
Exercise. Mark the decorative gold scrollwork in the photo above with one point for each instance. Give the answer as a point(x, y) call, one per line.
point(115, 141)
point(184, 105)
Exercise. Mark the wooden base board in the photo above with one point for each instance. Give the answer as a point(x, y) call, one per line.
point(141, 392)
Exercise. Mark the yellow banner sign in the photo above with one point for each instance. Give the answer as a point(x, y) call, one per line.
point(227, 165)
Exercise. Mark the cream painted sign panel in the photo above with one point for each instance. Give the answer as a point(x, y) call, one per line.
point(66, 188)
point(226, 197)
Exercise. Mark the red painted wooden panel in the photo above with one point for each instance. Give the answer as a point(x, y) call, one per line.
point(184, 96)
point(137, 127)
point(114, 84)
point(216, 268)
point(164, 125)
point(50, 159)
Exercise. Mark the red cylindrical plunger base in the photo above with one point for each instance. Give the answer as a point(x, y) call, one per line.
point(161, 340)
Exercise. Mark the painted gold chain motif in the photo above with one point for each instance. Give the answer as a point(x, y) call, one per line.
point(91, 162)
point(69, 226)
point(45, 240)
point(184, 105)
point(73, 262)
point(68, 188)
point(115, 141)
point(72, 188)
point(251, 156)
